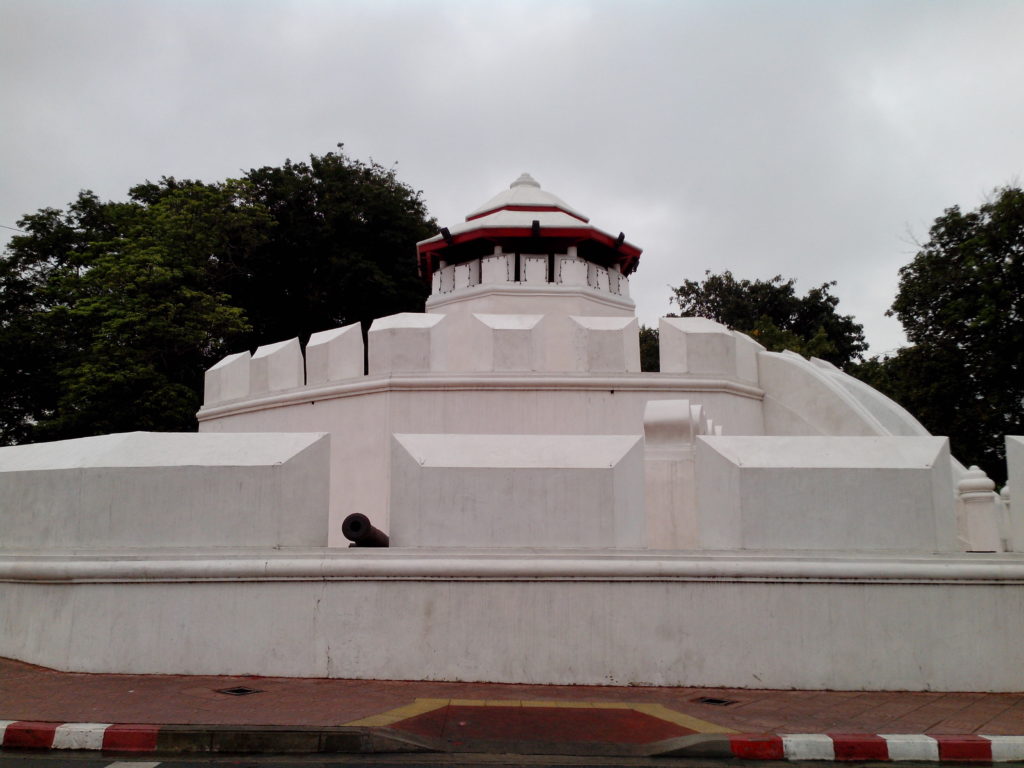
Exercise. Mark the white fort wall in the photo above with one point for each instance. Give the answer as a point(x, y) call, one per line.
point(856, 622)
point(743, 518)
point(470, 373)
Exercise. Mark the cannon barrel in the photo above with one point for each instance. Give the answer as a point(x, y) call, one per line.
point(357, 529)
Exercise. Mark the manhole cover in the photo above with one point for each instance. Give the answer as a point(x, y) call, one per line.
point(715, 702)
point(239, 691)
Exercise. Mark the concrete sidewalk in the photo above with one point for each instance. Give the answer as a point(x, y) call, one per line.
point(42, 708)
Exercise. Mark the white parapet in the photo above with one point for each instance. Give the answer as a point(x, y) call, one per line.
point(405, 343)
point(159, 489)
point(276, 367)
point(605, 344)
point(334, 355)
point(700, 346)
point(460, 490)
point(826, 493)
point(670, 430)
point(510, 343)
point(1013, 494)
point(228, 379)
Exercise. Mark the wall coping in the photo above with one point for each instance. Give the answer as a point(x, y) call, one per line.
point(377, 383)
point(153, 566)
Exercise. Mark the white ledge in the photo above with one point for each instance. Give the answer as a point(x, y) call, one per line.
point(519, 290)
point(657, 382)
point(510, 565)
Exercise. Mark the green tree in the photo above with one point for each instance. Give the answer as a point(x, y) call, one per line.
point(961, 303)
point(342, 248)
point(772, 312)
point(110, 312)
point(117, 309)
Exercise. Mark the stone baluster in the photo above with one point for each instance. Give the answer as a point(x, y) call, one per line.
point(977, 513)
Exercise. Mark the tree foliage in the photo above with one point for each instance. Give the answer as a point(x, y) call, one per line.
point(110, 312)
point(772, 312)
point(961, 303)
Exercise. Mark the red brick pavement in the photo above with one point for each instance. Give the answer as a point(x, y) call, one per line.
point(34, 693)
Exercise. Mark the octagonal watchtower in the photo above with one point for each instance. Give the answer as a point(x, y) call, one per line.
point(520, 249)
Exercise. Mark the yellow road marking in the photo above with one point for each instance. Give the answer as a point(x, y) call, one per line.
point(392, 716)
point(422, 706)
point(693, 723)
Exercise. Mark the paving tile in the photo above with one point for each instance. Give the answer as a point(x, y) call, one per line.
point(34, 693)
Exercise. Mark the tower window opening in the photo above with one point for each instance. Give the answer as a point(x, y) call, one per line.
point(551, 267)
point(518, 274)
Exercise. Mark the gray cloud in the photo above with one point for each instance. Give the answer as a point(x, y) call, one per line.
point(812, 140)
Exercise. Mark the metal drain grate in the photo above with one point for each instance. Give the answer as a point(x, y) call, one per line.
point(239, 691)
point(715, 702)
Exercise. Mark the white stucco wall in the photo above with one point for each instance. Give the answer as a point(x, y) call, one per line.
point(842, 623)
point(148, 489)
point(460, 490)
point(826, 493)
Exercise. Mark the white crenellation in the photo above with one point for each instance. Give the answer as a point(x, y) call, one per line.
point(570, 269)
point(701, 346)
point(615, 278)
point(510, 342)
point(597, 277)
point(497, 269)
point(228, 379)
point(533, 268)
point(605, 344)
point(334, 355)
point(277, 367)
point(406, 343)
point(447, 281)
point(467, 274)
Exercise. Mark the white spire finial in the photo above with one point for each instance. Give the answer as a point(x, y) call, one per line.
point(525, 180)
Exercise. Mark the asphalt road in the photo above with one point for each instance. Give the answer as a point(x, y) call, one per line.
point(86, 760)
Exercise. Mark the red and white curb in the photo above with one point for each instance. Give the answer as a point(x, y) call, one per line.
point(29, 734)
point(876, 747)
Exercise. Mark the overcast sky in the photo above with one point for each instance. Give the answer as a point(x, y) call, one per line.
point(816, 140)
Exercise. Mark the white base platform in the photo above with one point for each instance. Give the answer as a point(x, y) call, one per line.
point(807, 621)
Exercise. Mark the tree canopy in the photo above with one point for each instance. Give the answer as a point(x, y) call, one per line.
point(772, 312)
point(961, 303)
point(110, 311)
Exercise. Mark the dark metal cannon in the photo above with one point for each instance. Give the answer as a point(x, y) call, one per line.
point(357, 529)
